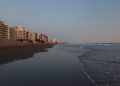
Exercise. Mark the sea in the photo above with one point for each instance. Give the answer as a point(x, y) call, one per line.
point(88, 64)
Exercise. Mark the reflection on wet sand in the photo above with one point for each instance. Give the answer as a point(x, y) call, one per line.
point(10, 55)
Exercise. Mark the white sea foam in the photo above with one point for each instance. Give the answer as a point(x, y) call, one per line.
point(102, 63)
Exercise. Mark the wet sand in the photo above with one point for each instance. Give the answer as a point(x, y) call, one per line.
point(11, 54)
point(36, 67)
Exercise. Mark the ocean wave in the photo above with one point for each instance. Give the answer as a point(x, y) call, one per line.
point(102, 63)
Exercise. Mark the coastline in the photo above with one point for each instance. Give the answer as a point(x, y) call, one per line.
point(16, 53)
point(5, 44)
point(41, 66)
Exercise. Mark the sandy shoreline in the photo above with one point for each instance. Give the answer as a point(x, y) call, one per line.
point(10, 54)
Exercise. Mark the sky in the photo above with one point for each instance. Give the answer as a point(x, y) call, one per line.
point(75, 21)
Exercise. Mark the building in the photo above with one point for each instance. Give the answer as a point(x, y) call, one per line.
point(54, 41)
point(17, 32)
point(4, 31)
point(38, 37)
point(31, 36)
point(44, 38)
point(13, 33)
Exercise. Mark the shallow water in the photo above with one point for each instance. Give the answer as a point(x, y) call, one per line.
point(102, 64)
point(62, 65)
point(58, 66)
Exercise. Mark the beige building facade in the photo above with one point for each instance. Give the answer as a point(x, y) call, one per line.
point(44, 38)
point(31, 36)
point(4, 31)
point(17, 32)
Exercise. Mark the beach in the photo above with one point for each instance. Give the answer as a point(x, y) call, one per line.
point(61, 65)
point(48, 67)
point(15, 53)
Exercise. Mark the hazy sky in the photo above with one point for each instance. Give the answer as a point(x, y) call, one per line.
point(68, 20)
